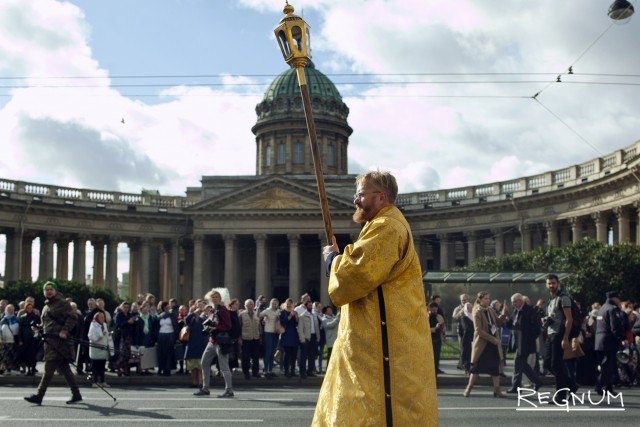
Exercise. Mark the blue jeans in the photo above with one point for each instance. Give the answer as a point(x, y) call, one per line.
point(270, 342)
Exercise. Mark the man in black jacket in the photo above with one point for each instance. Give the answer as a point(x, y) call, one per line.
point(526, 328)
point(610, 338)
point(58, 319)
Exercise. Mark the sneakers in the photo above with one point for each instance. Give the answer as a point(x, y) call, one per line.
point(226, 394)
point(34, 398)
point(202, 392)
point(105, 385)
point(74, 398)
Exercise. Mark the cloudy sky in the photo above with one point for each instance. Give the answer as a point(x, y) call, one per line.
point(443, 97)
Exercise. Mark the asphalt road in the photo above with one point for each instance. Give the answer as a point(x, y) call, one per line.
point(287, 405)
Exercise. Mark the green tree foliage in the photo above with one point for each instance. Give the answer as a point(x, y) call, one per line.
point(15, 292)
point(595, 267)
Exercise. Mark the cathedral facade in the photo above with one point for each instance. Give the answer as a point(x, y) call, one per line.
point(264, 234)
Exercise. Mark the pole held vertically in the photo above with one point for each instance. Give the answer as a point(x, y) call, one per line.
point(293, 36)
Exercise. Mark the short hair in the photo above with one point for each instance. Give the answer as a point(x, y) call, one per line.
point(433, 304)
point(162, 305)
point(232, 302)
point(382, 180)
point(552, 276)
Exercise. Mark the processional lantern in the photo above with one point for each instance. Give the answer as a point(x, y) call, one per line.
point(294, 36)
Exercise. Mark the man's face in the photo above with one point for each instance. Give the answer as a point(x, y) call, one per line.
point(368, 201)
point(250, 305)
point(464, 300)
point(552, 285)
point(308, 305)
point(49, 292)
point(91, 304)
point(517, 303)
point(433, 311)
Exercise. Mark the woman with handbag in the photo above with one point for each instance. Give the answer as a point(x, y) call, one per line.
point(272, 330)
point(98, 348)
point(486, 352)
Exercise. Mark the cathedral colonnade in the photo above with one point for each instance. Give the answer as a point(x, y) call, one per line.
point(263, 234)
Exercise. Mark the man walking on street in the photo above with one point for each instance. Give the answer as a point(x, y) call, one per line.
point(558, 322)
point(58, 319)
point(526, 328)
point(610, 338)
point(381, 366)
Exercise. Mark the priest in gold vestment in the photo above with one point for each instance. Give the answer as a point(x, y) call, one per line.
point(381, 371)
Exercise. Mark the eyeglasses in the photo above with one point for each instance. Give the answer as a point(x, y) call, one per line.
point(359, 196)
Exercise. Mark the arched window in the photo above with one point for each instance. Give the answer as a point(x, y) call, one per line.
point(298, 153)
point(281, 154)
point(331, 156)
point(267, 156)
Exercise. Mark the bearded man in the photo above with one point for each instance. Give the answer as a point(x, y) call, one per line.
point(381, 370)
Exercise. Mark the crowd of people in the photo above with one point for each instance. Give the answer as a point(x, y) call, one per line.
point(292, 336)
point(597, 348)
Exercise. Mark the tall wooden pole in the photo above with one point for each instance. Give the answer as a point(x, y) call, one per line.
point(315, 152)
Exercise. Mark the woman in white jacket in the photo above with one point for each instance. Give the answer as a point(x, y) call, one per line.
point(98, 347)
point(9, 328)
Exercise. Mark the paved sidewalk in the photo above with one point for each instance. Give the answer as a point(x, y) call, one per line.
point(452, 377)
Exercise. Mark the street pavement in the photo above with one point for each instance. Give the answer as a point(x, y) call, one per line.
point(286, 405)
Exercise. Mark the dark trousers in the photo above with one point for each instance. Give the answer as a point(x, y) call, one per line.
point(520, 366)
point(289, 362)
point(312, 356)
point(50, 367)
point(304, 358)
point(553, 361)
point(97, 370)
point(437, 349)
point(607, 362)
point(251, 357)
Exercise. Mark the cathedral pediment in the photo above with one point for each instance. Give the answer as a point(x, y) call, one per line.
point(274, 193)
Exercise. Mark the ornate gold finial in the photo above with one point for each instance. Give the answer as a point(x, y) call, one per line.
point(288, 9)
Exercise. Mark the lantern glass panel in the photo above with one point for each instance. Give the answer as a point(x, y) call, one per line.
point(284, 44)
point(296, 33)
point(308, 42)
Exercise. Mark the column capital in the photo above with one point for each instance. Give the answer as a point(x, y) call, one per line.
point(443, 237)
point(227, 237)
point(260, 237)
point(575, 221)
point(621, 212)
point(293, 237)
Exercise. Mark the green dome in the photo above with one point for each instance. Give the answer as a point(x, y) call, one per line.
point(286, 85)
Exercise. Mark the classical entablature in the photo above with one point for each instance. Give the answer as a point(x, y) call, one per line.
point(264, 234)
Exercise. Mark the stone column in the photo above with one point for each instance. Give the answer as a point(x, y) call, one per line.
point(552, 233)
point(134, 268)
point(98, 262)
point(444, 251)
point(600, 219)
point(27, 248)
point(576, 228)
point(80, 259)
point(62, 263)
point(145, 254)
point(111, 279)
point(230, 265)
point(498, 237)
point(10, 271)
point(262, 279)
point(174, 269)
point(471, 246)
point(525, 233)
point(46, 256)
point(295, 278)
point(324, 280)
point(624, 229)
point(197, 285)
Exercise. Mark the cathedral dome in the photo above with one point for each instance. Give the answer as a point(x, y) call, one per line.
point(281, 129)
point(319, 85)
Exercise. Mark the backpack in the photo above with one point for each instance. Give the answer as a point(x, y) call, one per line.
point(577, 317)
